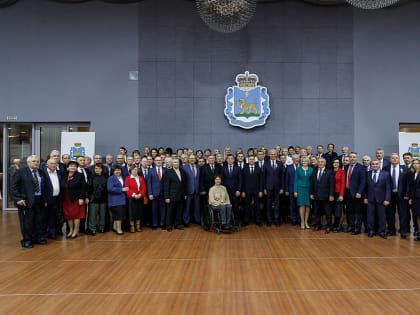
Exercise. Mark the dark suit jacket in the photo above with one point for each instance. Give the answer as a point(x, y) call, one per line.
point(357, 180)
point(252, 183)
point(273, 176)
point(23, 187)
point(413, 186)
point(207, 176)
point(232, 182)
point(154, 185)
point(329, 158)
point(193, 182)
point(385, 165)
point(76, 187)
point(402, 180)
point(325, 187)
point(173, 188)
point(48, 196)
point(379, 191)
point(289, 179)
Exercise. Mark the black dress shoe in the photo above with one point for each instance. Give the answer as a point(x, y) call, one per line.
point(349, 230)
point(26, 244)
point(371, 234)
point(179, 227)
point(403, 236)
point(383, 235)
point(269, 223)
point(169, 228)
point(259, 223)
point(391, 233)
point(154, 228)
point(355, 233)
point(52, 237)
point(417, 239)
point(327, 230)
point(277, 224)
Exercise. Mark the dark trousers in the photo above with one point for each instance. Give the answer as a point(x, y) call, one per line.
point(192, 209)
point(158, 211)
point(354, 212)
point(174, 213)
point(135, 209)
point(320, 207)
point(273, 197)
point(52, 210)
point(293, 207)
point(234, 201)
point(255, 209)
point(376, 209)
point(404, 218)
point(32, 220)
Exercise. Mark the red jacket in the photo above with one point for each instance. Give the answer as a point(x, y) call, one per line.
point(340, 183)
point(131, 183)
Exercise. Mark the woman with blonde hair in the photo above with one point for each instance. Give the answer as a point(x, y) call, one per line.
point(302, 191)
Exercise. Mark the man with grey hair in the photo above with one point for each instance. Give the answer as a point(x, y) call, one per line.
point(28, 189)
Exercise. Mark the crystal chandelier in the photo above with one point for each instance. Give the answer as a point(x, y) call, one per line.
point(226, 16)
point(371, 4)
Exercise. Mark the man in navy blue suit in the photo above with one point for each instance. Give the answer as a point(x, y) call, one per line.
point(273, 187)
point(28, 189)
point(232, 180)
point(378, 196)
point(399, 190)
point(289, 186)
point(155, 191)
point(192, 207)
point(355, 188)
point(383, 163)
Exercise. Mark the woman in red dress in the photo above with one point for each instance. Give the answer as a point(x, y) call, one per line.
point(339, 194)
point(135, 194)
point(74, 187)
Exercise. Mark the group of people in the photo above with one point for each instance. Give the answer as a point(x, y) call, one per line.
point(160, 188)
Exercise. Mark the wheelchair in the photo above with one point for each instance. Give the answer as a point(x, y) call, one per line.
point(211, 221)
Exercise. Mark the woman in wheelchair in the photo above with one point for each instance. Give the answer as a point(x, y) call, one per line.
point(219, 200)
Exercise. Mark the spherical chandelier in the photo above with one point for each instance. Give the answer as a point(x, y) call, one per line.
point(226, 16)
point(371, 4)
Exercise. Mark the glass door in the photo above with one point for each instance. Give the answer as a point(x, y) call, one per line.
point(18, 148)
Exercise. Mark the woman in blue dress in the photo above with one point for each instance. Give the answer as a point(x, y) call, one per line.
point(302, 190)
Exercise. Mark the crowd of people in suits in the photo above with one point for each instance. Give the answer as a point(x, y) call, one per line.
point(159, 188)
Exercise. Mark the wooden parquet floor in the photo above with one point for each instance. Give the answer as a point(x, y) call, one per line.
point(258, 270)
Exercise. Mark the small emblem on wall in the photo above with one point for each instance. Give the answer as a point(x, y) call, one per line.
point(247, 105)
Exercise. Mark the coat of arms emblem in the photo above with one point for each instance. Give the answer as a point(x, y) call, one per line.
point(247, 104)
point(77, 150)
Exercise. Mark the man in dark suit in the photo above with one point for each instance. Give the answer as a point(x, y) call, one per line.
point(322, 192)
point(28, 189)
point(207, 173)
point(378, 196)
point(192, 207)
point(399, 190)
point(252, 190)
point(383, 163)
point(289, 188)
point(355, 188)
point(155, 192)
point(52, 198)
point(174, 190)
point(344, 153)
point(232, 180)
point(87, 175)
point(273, 187)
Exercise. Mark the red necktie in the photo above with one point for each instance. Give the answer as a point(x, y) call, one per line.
point(158, 172)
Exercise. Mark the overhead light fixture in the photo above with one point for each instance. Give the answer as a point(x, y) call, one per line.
point(226, 16)
point(371, 4)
